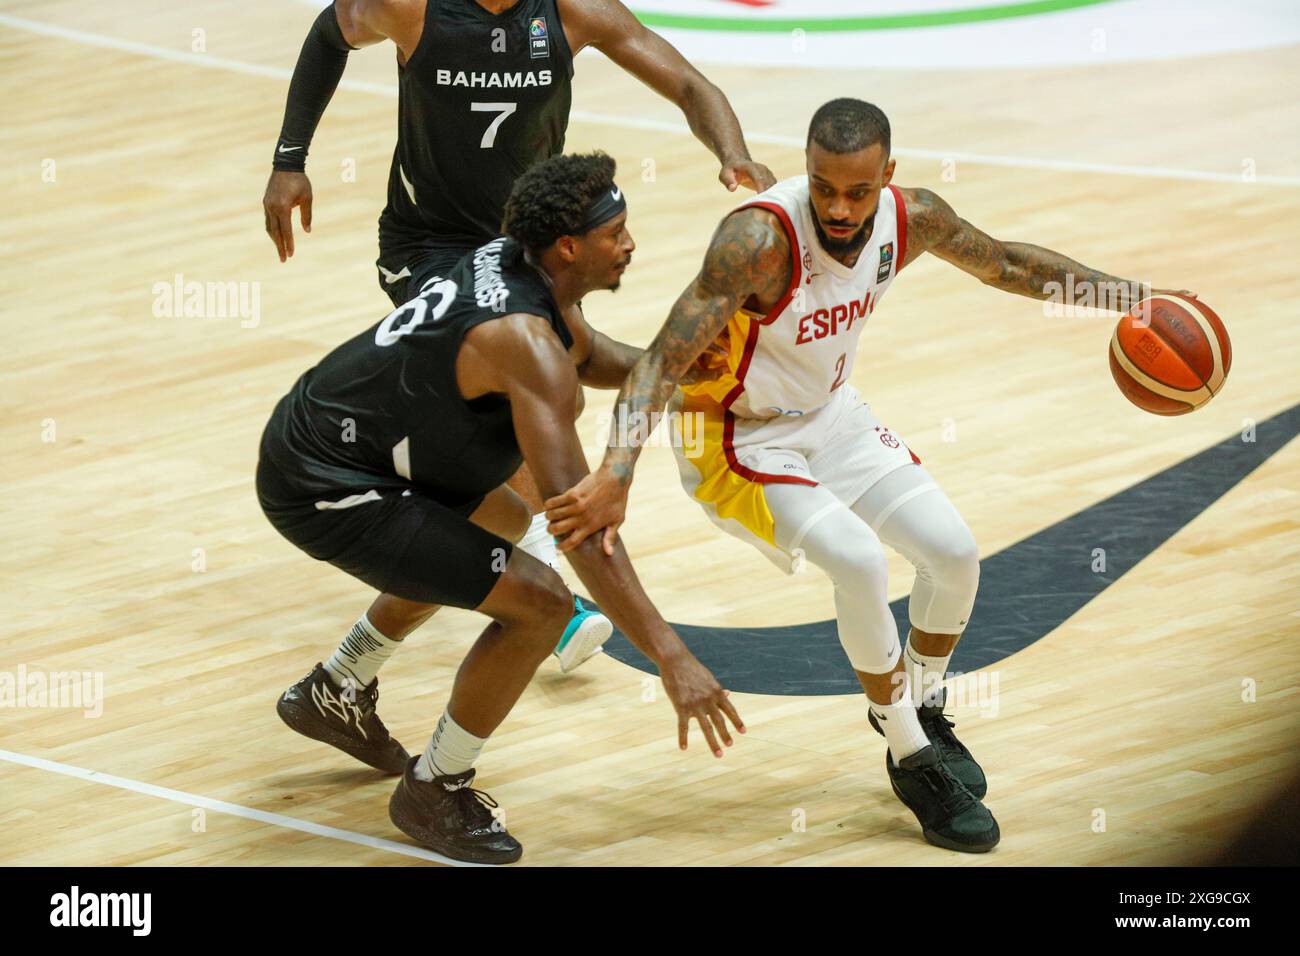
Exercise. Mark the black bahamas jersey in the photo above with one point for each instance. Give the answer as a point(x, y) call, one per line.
point(383, 410)
point(482, 98)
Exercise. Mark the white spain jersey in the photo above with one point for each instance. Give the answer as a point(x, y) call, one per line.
point(791, 360)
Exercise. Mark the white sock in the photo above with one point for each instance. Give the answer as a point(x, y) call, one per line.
point(452, 749)
point(538, 543)
point(925, 673)
point(360, 655)
point(902, 728)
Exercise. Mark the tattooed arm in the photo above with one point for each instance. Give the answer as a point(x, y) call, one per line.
point(749, 255)
point(1017, 267)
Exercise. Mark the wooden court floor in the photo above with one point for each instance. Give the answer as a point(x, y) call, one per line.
point(134, 548)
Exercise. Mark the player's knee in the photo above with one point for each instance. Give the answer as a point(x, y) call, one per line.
point(549, 606)
point(858, 562)
point(871, 566)
point(517, 519)
point(504, 513)
point(956, 562)
point(558, 603)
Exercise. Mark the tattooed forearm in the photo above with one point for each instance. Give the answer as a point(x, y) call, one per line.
point(1011, 266)
point(748, 256)
point(1041, 274)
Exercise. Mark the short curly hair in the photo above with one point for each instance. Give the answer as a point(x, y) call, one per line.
point(551, 198)
point(846, 125)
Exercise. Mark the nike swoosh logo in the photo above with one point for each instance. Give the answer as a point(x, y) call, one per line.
point(391, 277)
point(615, 193)
point(1026, 590)
point(288, 149)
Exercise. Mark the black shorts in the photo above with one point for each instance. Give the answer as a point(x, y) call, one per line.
point(404, 269)
point(398, 541)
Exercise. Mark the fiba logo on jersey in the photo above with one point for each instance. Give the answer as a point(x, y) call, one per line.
point(886, 261)
point(538, 45)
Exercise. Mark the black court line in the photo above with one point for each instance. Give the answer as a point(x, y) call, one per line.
point(1026, 590)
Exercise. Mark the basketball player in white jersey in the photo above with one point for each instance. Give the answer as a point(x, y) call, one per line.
point(793, 461)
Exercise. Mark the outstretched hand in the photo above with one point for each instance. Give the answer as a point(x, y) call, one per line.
point(696, 694)
point(285, 190)
point(747, 173)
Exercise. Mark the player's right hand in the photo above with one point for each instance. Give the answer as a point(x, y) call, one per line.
point(598, 502)
point(696, 693)
point(284, 190)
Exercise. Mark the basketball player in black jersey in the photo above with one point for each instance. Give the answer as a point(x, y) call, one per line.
point(484, 92)
point(388, 460)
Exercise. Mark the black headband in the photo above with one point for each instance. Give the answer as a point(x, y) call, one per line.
point(607, 204)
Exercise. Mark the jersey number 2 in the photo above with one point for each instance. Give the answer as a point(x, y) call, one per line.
point(839, 371)
point(490, 134)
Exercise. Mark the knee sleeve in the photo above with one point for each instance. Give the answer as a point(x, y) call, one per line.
point(830, 536)
point(913, 515)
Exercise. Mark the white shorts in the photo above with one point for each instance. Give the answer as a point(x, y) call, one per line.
point(725, 461)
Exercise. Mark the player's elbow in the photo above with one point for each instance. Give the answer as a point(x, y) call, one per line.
point(367, 22)
point(695, 91)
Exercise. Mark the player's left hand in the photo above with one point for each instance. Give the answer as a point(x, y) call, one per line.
point(597, 503)
point(747, 173)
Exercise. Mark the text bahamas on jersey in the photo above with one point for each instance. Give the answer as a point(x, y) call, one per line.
point(485, 79)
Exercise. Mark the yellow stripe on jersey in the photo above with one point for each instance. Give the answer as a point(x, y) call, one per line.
point(716, 371)
point(720, 489)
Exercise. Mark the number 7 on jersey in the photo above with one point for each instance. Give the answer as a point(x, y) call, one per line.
point(490, 134)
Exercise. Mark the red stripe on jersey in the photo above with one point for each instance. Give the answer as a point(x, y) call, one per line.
point(728, 434)
point(751, 342)
point(796, 274)
point(900, 225)
point(796, 269)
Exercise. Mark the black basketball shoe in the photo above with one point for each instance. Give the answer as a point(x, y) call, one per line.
point(315, 708)
point(938, 730)
point(950, 815)
point(446, 814)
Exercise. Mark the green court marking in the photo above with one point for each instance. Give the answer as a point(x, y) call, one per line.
point(892, 21)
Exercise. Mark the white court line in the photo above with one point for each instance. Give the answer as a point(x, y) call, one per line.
point(233, 809)
point(387, 89)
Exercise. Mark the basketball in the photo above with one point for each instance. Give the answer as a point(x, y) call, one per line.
point(1170, 354)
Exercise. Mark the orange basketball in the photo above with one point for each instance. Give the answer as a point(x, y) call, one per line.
point(1170, 354)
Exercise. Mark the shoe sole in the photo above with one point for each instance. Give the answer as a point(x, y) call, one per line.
point(586, 643)
point(938, 839)
point(305, 723)
point(434, 841)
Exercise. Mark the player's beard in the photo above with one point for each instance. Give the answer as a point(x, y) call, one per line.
point(618, 279)
point(839, 247)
